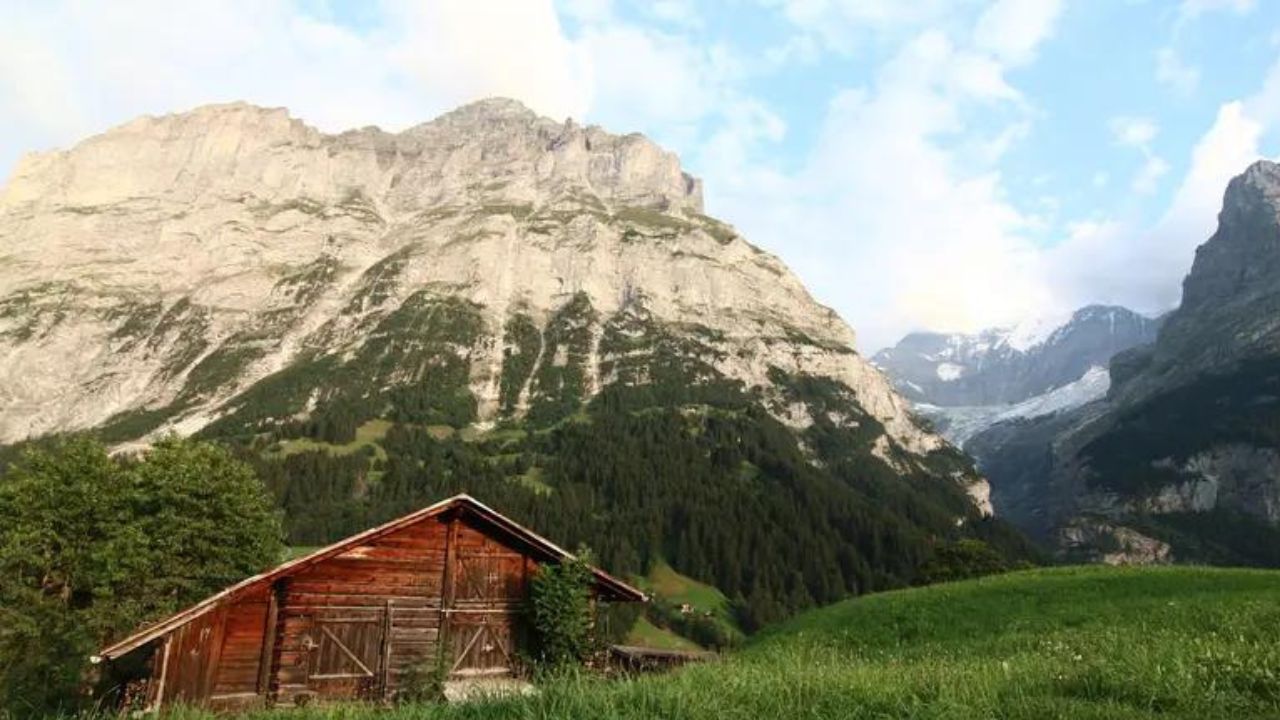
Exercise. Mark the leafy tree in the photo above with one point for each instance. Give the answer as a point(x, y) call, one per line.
point(560, 610)
point(967, 558)
point(91, 546)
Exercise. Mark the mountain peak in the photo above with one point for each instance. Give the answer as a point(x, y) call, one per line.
point(492, 107)
point(999, 366)
point(1262, 173)
point(1242, 258)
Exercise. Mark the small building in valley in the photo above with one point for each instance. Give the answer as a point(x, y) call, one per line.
point(441, 587)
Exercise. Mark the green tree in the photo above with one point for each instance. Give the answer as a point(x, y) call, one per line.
point(966, 558)
point(91, 546)
point(560, 609)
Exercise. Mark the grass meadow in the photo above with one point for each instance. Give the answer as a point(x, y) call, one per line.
point(1080, 642)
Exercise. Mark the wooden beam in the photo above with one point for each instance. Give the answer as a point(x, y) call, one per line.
point(386, 648)
point(447, 583)
point(211, 654)
point(267, 660)
point(158, 697)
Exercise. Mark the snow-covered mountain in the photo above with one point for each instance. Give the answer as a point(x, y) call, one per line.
point(1005, 366)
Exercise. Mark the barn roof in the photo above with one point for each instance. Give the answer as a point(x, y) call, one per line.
point(609, 587)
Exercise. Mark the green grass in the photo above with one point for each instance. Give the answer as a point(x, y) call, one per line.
point(646, 634)
point(1061, 643)
point(367, 435)
point(666, 583)
point(677, 588)
point(533, 480)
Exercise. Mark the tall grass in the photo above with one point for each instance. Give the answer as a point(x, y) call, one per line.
point(1061, 643)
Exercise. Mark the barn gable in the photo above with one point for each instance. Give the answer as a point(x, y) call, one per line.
point(351, 619)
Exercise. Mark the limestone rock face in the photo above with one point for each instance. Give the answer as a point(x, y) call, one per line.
point(153, 275)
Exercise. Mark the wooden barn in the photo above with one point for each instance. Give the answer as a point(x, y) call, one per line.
point(445, 583)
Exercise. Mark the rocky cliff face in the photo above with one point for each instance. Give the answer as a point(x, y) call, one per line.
point(232, 266)
point(1184, 447)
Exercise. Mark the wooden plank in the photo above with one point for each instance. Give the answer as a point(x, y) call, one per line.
point(386, 650)
point(158, 698)
point(212, 654)
point(266, 661)
point(447, 581)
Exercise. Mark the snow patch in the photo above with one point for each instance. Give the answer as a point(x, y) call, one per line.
point(1035, 331)
point(948, 372)
point(962, 423)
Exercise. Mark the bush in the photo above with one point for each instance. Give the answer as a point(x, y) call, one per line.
point(560, 610)
point(963, 559)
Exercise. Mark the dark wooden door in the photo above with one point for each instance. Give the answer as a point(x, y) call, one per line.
point(346, 652)
point(488, 595)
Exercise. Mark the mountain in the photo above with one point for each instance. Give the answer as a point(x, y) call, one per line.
point(966, 382)
point(1181, 460)
point(534, 311)
point(1003, 366)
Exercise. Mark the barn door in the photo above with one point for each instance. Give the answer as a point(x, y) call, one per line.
point(488, 594)
point(346, 652)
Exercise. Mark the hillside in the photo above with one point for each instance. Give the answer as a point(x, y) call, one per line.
point(531, 311)
point(1069, 642)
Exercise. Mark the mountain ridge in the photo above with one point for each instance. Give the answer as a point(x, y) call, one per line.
point(1006, 365)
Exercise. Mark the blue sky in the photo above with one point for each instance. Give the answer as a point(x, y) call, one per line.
point(922, 165)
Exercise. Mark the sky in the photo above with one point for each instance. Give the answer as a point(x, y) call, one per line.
point(944, 165)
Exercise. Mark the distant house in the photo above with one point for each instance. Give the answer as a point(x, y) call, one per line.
point(348, 621)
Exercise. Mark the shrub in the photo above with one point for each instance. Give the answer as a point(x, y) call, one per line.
point(560, 610)
point(963, 559)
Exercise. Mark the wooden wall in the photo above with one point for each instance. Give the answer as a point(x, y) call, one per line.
point(353, 625)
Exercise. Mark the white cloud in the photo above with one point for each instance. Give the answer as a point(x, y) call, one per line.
point(1175, 74)
point(1192, 9)
point(898, 216)
point(1013, 29)
point(1141, 266)
point(1148, 176)
point(68, 70)
point(1132, 131)
point(894, 221)
point(1171, 70)
point(682, 13)
point(1230, 145)
point(436, 46)
point(1138, 132)
point(843, 26)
